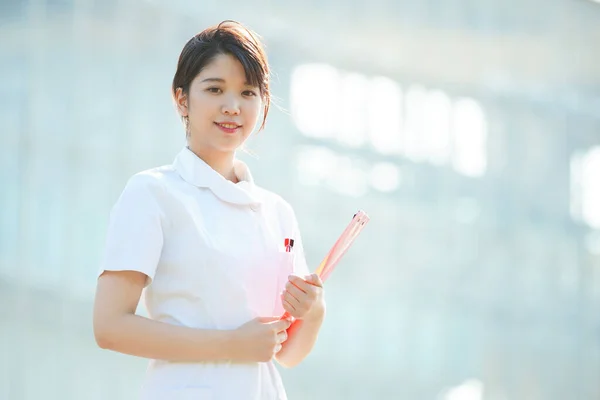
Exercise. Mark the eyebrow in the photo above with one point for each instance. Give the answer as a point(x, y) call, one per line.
point(213, 80)
point(221, 80)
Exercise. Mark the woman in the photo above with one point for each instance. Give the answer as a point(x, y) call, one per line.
point(209, 246)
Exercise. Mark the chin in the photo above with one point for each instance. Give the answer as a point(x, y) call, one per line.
point(228, 148)
point(230, 145)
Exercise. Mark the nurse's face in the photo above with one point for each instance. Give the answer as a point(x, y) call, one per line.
point(221, 106)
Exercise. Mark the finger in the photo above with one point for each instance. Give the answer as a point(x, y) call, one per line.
point(292, 304)
point(315, 280)
point(298, 282)
point(297, 311)
point(294, 291)
point(313, 292)
point(309, 295)
point(277, 348)
point(288, 308)
point(301, 310)
point(267, 320)
point(286, 296)
point(286, 315)
point(281, 325)
point(282, 336)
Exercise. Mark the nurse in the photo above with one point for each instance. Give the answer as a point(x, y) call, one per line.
point(206, 245)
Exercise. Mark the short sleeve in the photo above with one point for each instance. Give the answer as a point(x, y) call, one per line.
point(134, 237)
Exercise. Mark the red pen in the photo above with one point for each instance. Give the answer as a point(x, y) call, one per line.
point(288, 243)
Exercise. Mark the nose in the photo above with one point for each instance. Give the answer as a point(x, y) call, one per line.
point(231, 105)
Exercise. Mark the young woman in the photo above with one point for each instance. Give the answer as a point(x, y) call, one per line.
point(209, 246)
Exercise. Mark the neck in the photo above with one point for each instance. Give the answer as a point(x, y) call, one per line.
point(222, 162)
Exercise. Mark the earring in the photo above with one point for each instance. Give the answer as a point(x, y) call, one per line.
point(186, 124)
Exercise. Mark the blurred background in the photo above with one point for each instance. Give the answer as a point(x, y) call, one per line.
point(469, 130)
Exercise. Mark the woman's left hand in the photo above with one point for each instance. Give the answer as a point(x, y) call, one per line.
point(304, 298)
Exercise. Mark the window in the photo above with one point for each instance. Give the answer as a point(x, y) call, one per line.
point(436, 127)
point(385, 115)
point(469, 133)
point(318, 165)
point(585, 187)
point(427, 128)
point(314, 99)
point(421, 124)
point(416, 114)
point(350, 122)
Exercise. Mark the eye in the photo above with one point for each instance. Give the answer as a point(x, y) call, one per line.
point(249, 93)
point(214, 90)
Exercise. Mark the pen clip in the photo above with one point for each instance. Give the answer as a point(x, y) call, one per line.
point(288, 244)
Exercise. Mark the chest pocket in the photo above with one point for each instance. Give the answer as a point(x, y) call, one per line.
point(238, 289)
point(238, 283)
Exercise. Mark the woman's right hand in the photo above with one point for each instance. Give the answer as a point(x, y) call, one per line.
point(258, 340)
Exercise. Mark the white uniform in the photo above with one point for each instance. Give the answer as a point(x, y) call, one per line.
point(214, 255)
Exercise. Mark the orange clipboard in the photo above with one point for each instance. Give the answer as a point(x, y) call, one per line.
point(340, 247)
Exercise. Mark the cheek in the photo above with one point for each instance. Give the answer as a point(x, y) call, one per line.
point(201, 106)
point(256, 108)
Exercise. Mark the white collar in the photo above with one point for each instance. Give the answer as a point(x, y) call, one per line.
point(198, 173)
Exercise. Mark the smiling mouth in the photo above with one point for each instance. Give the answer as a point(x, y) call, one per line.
point(228, 125)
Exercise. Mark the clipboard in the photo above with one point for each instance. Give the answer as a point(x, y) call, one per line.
point(340, 247)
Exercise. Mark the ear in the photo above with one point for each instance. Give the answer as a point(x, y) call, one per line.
point(181, 101)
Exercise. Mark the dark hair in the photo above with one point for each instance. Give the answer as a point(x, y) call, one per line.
point(228, 37)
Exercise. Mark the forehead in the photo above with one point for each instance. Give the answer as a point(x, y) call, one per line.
point(224, 67)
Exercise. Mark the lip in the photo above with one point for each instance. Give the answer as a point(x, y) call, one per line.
point(228, 130)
